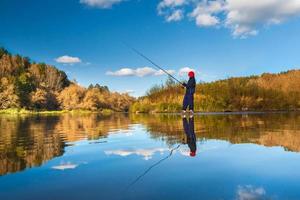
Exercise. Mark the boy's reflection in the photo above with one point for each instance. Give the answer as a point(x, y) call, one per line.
point(188, 126)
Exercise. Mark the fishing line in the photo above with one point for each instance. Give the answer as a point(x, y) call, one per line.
point(151, 167)
point(153, 63)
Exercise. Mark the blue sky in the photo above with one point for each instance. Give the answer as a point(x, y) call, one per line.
point(216, 38)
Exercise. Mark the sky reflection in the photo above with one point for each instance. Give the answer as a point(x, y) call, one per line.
point(149, 157)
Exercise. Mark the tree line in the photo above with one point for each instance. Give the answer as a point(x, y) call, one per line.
point(267, 92)
point(38, 86)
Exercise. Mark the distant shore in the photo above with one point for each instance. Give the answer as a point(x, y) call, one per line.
point(15, 111)
point(231, 113)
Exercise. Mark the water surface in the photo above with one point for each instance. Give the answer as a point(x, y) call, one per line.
point(217, 156)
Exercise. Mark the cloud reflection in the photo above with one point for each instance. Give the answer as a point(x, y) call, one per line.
point(65, 166)
point(146, 153)
point(250, 192)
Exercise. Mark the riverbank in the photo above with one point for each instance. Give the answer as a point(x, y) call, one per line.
point(222, 112)
point(15, 111)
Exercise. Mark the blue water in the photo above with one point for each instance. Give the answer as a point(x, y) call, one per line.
point(253, 156)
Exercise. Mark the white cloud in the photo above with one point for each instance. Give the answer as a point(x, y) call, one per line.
point(185, 70)
point(177, 15)
point(140, 72)
point(168, 9)
point(243, 17)
point(122, 72)
point(170, 3)
point(68, 60)
point(100, 3)
point(250, 192)
point(203, 12)
point(145, 153)
point(145, 71)
point(206, 20)
point(161, 72)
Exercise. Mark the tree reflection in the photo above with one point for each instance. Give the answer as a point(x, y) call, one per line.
point(27, 141)
point(279, 129)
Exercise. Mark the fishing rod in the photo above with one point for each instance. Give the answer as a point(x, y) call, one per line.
point(153, 63)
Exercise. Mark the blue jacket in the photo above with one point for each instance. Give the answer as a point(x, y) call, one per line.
point(190, 86)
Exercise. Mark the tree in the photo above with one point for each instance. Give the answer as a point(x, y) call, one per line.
point(24, 86)
point(8, 97)
point(2, 52)
point(101, 88)
point(94, 100)
point(43, 100)
point(71, 97)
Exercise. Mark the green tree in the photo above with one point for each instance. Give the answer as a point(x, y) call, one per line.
point(24, 86)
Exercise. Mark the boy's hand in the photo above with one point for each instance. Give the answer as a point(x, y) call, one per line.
point(183, 85)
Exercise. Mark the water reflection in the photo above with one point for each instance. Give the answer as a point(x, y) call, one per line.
point(265, 129)
point(153, 166)
point(249, 192)
point(27, 141)
point(65, 166)
point(188, 126)
point(145, 153)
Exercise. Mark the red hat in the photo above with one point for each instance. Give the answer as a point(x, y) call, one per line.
point(191, 74)
point(193, 153)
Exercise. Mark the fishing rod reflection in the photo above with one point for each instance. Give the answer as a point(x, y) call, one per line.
point(191, 140)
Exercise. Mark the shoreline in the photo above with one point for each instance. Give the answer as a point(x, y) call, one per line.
point(109, 112)
point(15, 111)
point(227, 113)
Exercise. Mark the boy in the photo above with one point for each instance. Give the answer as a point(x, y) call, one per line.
point(188, 100)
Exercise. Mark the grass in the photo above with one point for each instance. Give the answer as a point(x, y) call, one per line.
point(107, 112)
point(14, 111)
point(18, 111)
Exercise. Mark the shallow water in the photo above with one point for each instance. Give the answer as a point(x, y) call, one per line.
point(232, 156)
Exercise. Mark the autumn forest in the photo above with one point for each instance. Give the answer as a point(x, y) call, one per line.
point(40, 87)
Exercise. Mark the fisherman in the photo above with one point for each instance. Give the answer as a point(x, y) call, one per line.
point(188, 127)
point(188, 100)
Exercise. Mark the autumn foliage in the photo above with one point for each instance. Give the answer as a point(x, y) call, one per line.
point(38, 86)
point(267, 92)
